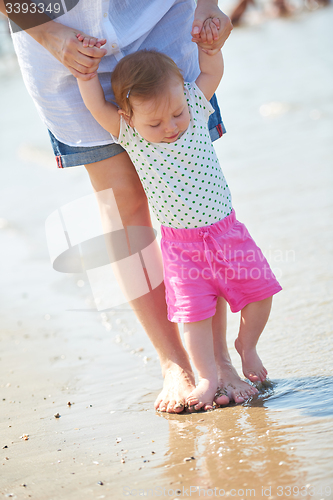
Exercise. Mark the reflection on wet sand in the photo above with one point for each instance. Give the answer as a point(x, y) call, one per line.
point(239, 448)
point(256, 449)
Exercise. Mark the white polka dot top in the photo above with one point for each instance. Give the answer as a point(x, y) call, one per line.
point(183, 180)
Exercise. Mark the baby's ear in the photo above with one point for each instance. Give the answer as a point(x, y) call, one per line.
point(125, 116)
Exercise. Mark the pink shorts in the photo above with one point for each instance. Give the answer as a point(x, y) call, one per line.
point(202, 264)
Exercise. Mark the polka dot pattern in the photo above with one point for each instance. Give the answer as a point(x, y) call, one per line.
point(183, 180)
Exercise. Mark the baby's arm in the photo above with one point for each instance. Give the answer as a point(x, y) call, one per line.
point(104, 112)
point(211, 66)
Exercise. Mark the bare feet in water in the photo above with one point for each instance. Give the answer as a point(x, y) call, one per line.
point(201, 398)
point(253, 368)
point(231, 387)
point(179, 389)
point(176, 387)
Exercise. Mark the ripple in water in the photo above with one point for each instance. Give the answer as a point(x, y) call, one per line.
point(312, 395)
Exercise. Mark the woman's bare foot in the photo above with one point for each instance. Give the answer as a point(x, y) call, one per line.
point(201, 398)
point(231, 387)
point(176, 387)
point(253, 368)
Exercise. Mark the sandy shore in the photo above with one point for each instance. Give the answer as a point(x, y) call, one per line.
point(109, 442)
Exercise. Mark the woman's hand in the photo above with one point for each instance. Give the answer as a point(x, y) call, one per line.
point(210, 30)
point(211, 39)
point(62, 42)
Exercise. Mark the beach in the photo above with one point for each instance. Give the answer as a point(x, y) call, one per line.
point(78, 384)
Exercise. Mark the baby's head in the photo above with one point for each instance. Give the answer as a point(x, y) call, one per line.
point(149, 90)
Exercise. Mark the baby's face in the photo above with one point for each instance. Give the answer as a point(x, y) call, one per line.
point(163, 119)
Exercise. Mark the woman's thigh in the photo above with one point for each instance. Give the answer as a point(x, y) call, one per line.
point(118, 174)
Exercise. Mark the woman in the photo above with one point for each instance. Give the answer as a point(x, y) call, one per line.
point(48, 53)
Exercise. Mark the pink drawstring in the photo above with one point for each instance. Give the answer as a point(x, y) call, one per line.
point(205, 233)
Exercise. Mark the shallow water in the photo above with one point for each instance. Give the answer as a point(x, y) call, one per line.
point(276, 99)
point(313, 396)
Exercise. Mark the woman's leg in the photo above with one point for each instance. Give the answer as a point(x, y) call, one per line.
point(119, 174)
point(231, 387)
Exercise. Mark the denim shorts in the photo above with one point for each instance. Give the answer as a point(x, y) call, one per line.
point(73, 156)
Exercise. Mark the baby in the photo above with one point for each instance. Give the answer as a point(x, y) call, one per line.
point(162, 124)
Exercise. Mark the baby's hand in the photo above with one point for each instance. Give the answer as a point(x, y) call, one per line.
point(91, 41)
point(209, 33)
point(210, 30)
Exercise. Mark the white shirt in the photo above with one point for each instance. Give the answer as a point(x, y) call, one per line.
point(183, 180)
point(128, 25)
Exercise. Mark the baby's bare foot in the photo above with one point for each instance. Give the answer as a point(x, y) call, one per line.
point(231, 387)
point(253, 368)
point(202, 396)
point(177, 385)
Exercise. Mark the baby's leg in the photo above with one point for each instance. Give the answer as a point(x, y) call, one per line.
point(230, 386)
point(254, 317)
point(199, 343)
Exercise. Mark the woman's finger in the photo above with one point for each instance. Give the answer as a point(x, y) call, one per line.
point(216, 21)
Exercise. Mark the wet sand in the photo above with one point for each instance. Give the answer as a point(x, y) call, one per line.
point(276, 99)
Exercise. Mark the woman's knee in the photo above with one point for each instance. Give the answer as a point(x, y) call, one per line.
point(132, 204)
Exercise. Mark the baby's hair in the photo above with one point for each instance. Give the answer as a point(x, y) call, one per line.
point(143, 74)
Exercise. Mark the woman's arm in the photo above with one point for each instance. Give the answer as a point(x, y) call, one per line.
point(58, 39)
point(104, 112)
